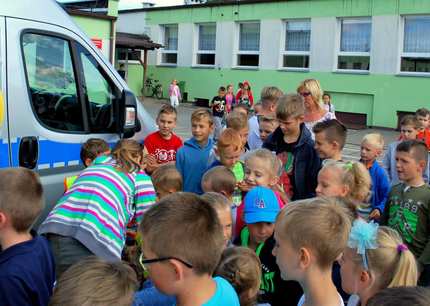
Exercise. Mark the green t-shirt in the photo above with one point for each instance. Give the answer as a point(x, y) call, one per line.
point(239, 174)
point(408, 212)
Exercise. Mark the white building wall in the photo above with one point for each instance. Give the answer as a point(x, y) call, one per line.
point(225, 36)
point(270, 43)
point(323, 44)
point(134, 23)
point(185, 44)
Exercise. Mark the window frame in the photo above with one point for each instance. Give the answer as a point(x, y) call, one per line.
point(409, 54)
point(283, 52)
point(163, 51)
point(130, 61)
point(197, 50)
point(237, 52)
point(340, 53)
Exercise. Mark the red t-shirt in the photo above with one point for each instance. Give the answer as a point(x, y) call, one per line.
point(425, 136)
point(164, 150)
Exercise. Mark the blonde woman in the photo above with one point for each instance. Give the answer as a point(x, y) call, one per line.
point(315, 111)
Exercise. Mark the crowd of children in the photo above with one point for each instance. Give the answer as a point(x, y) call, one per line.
point(258, 209)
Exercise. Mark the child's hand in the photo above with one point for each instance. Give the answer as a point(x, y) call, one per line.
point(243, 186)
point(375, 214)
point(151, 162)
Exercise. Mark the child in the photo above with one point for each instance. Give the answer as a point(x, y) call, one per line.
point(192, 158)
point(241, 267)
point(257, 108)
point(239, 122)
point(27, 269)
point(241, 108)
point(219, 179)
point(96, 282)
point(327, 103)
point(174, 94)
point(92, 217)
point(423, 115)
point(218, 109)
point(161, 146)
point(409, 128)
point(266, 127)
point(182, 244)
point(310, 236)
point(330, 138)
point(401, 296)
point(409, 202)
point(222, 207)
point(261, 209)
point(90, 150)
point(293, 144)
point(230, 99)
point(371, 147)
point(244, 95)
point(166, 180)
point(374, 259)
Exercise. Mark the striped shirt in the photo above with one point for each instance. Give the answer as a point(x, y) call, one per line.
point(99, 205)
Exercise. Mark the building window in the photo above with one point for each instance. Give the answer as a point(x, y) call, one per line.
point(354, 49)
point(169, 55)
point(297, 44)
point(133, 55)
point(206, 44)
point(415, 55)
point(249, 44)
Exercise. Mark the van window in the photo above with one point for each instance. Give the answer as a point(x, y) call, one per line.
point(52, 82)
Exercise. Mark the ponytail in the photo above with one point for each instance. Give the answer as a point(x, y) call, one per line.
point(128, 154)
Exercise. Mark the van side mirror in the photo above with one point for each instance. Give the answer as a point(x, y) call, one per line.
point(127, 115)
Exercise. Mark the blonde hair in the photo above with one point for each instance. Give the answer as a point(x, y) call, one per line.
point(355, 176)
point(273, 163)
point(201, 113)
point(217, 201)
point(319, 224)
point(290, 106)
point(229, 138)
point(242, 268)
point(393, 267)
point(314, 87)
point(237, 121)
point(270, 95)
point(374, 139)
point(127, 154)
point(167, 177)
point(220, 179)
point(95, 282)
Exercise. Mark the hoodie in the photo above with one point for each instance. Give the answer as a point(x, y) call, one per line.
point(192, 162)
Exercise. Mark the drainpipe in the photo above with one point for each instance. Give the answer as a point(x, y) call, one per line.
point(112, 40)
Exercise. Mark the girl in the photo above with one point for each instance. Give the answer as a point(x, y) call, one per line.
point(230, 99)
point(375, 258)
point(242, 268)
point(92, 216)
point(174, 93)
point(327, 103)
point(244, 95)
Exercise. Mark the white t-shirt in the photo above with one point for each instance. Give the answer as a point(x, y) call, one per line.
point(310, 124)
point(353, 300)
point(302, 301)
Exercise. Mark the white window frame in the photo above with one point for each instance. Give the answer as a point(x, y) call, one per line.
point(197, 51)
point(167, 51)
point(343, 53)
point(284, 52)
point(409, 54)
point(238, 52)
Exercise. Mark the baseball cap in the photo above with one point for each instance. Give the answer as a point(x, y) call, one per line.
point(261, 205)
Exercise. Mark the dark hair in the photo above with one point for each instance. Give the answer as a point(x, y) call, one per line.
point(326, 94)
point(417, 148)
point(167, 109)
point(401, 296)
point(334, 131)
point(410, 120)
point(240, 84)
point(222, 88)
point(92, 148)
point(422, 112)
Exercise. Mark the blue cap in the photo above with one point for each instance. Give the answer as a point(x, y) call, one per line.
point(261, 205)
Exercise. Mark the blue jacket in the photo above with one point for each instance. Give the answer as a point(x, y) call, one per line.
point(192, 162)
point(380, 187)
point(306, 161)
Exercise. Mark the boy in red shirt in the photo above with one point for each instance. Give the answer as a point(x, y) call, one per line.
point(161, 146)
point(423, 115)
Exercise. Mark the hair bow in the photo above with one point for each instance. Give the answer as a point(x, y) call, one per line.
point(363, 236)
point(348, 165)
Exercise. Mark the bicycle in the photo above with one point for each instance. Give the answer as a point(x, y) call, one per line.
point(153, 88)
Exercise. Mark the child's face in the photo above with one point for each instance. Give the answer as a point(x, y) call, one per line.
point(241, 110)
point(425, 120)
point(230, 89)
point(221, 93)
point(201, 129)
point(369, 152)
point(350, 272)
point(260, 231)
point(329, 184)
point(258, 108)
point(225, 218)
point(408, 132)
point(228, 156)
point(266, 128)
point(287, 258)
point(325, 148)
point(244, 135)
point(258, 173)
point(166, 123)
point(290, 126)
point(326, 99)
point(408, 168)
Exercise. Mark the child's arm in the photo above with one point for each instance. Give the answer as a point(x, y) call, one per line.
point(383, 190)
point(144, 196)
point(180, 162)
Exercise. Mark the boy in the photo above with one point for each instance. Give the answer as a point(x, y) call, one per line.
point(183, 244)
point(293, 144)
point(409, 129)
point(239, 122)
point(161, 146)
point(310, 236)
point(27, 269)
point(266, 127)
point(408, 204)
point(192, 158)
point(219, 179)
point(371, 147)
point(423, 115)
point(166, 180)
point(218, 109)
point(330, 138)
point(261, 209)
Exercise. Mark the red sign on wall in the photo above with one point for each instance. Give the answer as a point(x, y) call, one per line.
point(97, 42)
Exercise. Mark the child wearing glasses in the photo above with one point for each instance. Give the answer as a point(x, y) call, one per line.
point(293, 144)
point(182, 242)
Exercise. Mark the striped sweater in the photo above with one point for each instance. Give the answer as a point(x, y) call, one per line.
point(99, 205)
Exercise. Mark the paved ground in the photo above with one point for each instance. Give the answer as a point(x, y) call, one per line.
point(351, 150)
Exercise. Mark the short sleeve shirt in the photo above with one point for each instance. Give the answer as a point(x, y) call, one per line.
point(164, 150)
point(224, 294)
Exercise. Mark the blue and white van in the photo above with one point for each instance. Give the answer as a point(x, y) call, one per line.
point(56, 91)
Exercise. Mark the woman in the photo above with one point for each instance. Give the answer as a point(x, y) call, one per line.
point(315, 112)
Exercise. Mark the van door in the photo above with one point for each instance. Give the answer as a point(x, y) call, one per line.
point(4, 137)
point(60, 94)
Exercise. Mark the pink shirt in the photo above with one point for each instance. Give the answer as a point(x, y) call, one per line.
point(174, 91)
